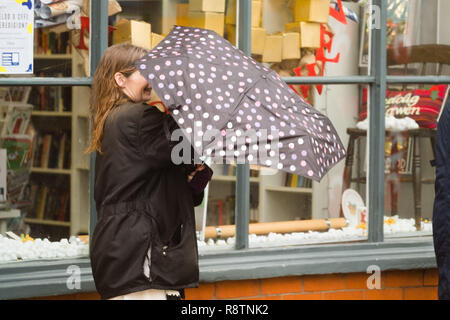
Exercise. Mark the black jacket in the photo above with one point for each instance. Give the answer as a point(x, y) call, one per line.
point(144, 205)
point(441, 208)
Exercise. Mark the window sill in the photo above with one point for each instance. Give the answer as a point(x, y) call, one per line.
point(47, 278)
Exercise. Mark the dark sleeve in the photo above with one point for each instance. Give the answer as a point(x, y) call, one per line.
point(198, 198)
point(153, 143)
point(199, 183)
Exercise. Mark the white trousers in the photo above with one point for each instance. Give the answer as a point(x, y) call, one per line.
point(150, 294)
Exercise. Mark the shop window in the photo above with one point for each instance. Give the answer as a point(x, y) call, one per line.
point(293, 40)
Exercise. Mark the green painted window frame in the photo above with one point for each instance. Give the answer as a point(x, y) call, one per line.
point(44, 278)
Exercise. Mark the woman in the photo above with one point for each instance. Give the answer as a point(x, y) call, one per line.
point(144, 245)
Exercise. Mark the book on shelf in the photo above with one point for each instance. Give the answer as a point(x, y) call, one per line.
point(50, 98)
point(49, 203)
point(41, 200)
point(48, 42)
point(52, 150)
point(297, 181)
point(221, 211)
point(230, 170)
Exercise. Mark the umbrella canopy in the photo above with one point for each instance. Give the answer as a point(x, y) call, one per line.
point(209, 85)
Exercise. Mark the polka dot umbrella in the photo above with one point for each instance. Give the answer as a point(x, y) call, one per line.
point(231, 107)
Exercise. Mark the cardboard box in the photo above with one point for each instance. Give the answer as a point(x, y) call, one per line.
point(291, 45)
point(273, 48)
point(137, 33)
point(309, 33)
point(156, 38)
point(207, 5)
point(231, 33)
point(256, 13)
point(207, 20)
point(258, 40)
point(312, 10)
point(230, 17)
point(183, 14)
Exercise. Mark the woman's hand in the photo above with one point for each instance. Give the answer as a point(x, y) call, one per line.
point(200, 167)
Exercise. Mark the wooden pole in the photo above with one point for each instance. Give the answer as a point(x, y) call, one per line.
point(277, 227)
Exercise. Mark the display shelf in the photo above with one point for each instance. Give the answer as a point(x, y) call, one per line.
point(223, 178)
point(50, 170)
point(53, 56)
point(47, 222)
point(74, 122)
point(288, 189)
point(51, 114)
point(275, 202)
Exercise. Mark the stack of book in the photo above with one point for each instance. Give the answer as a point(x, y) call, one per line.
point(52, 150)
point(297, 181)
point(230, 170)
point(47, 42)
point(49, 203)
point(50, 98)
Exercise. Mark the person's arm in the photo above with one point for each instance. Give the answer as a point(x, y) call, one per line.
point(153, 143)
point(198, 180)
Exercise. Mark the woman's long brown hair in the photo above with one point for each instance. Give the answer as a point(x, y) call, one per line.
point(106, 94)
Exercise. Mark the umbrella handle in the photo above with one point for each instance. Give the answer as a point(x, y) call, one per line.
point(160, 102)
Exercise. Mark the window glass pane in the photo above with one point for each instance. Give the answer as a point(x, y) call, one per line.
point(46, 173)
point(416, 45)
point(417, 41)
point(293, 209)
point(411, 118)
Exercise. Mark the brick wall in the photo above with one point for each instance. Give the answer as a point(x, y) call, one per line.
point(394, 285)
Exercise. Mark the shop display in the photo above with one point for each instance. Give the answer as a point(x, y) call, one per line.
point(421, 105)
point(394, 227)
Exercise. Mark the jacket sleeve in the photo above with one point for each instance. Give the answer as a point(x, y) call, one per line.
point(199, 183)
point(198, 198)
point(153, 142)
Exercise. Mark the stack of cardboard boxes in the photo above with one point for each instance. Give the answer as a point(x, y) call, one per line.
point(304, 32)
point(207, 14)
point(308, 15)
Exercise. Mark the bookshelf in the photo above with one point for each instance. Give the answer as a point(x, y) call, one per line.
point(270, 198)
point(62, 119)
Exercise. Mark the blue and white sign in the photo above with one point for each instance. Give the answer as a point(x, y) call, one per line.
point(16, 36)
